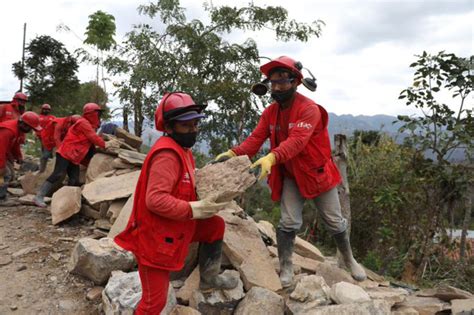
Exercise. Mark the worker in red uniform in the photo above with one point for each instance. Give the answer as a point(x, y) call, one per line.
point(166, 216)
point(77, 146)
point(45, 119)
point(299, 166)
point(10, 133)
point(14, 109)
point(54, 132)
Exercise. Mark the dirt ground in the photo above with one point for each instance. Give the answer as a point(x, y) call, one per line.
point(33, 264)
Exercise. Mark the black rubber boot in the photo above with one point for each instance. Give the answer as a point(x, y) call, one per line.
point(42, 192)
point(344, 246)
point(285, 244)
point(210, 267)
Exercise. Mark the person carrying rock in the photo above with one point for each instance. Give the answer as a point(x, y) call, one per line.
point(45, 119)
point(166, 215)
point(11, 132)
point(299, 165)
point(77, 148)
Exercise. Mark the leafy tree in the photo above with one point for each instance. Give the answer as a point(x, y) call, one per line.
point(50, 73)
point(441, 130)
point(194, 56)
point(90, 92)
point(100, 33)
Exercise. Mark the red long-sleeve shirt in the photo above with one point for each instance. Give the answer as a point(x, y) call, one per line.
point(164, 174)
point(9, 146)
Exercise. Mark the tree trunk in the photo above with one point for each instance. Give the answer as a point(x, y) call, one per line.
point(125, 118)
point(467, 220)
point(138, 118)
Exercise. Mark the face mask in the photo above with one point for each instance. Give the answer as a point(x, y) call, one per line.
point(283, 96)
point(186, 140)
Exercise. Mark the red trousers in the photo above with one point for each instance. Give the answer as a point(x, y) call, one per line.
point(155, 282)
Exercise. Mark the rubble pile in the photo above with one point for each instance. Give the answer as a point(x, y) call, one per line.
point(249, 252)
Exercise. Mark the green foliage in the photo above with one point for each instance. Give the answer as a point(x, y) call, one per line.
point(193, 56)
point(101, 30)
point(50, 73)
point(90, 92)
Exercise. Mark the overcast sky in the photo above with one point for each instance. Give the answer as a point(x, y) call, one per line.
point(361, 61)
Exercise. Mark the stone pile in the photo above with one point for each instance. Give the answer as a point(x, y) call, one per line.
point(249, 252)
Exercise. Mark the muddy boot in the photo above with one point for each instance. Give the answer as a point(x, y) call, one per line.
point(344, 246)
point(285, 244)
point(210, 267)
point(42, 192)
point(43, 163)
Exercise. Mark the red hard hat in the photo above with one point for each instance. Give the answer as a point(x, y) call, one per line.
point(46, 106)
point(176, 106)
point(31, 119)
point(283, 62)
point(20, 96)
point(91, 107)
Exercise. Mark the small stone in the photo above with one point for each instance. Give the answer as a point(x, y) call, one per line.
point(5, 260)
point(21, 268)
point(55, 256)
point(13, 307)
point(95, 293)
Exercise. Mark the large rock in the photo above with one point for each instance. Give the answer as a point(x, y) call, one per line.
point(96, 259)
point(218, 302)
point(446, 293)
point(100, 163)
point(65, 203)
point(130, 139)
point(247, 252)
point(423, 305)
point(374, 307)
point(347, 293)
point(261, 301)
point(393, 295)
point(111, 188)
point(123, 293)
point(309, 293)
point(191, 284)
point(308, 250)
point(462, 307)
point(122, 220)
point(225, 180)
point(132, 157)
point(184, 310)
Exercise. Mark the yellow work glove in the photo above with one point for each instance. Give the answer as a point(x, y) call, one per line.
point(225, 156)
point(266, 163)
point(206, 208)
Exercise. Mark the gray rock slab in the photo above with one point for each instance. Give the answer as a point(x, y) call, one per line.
point(225, 180)
point(393, 295)
point(111, 188)
point(462, 307)
point(96, 259)
point(307, 250)
point(446, 293)
point(247, 252)
point(99, 164)
point(348, 293)
point(261, 301)
point(129, 138)
point(132, 157)
point(374, 307)
point(122, 220)
point(423, 305)
point(65, 203)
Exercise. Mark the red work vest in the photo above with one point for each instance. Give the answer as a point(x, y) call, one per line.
point(157, 241)
point(75, 145)
point(314, 170)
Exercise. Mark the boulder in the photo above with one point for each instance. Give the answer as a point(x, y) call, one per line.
point(65, 203)
point(184, 310)
point(225, 180)
point(307, 250)
point(100, 163)
point(247, 252)
point(122, 220)
point(423, 305)
point(218, 302)
point(190, 285)
point(111, 188)
point(374, 307)
point(393, 295)
point(96, 259)
point(132, 157)
point(123, 293)
point(347, 293)
point(129, 138)
point(309, 293)
point(261, 301)
point(461, 307)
